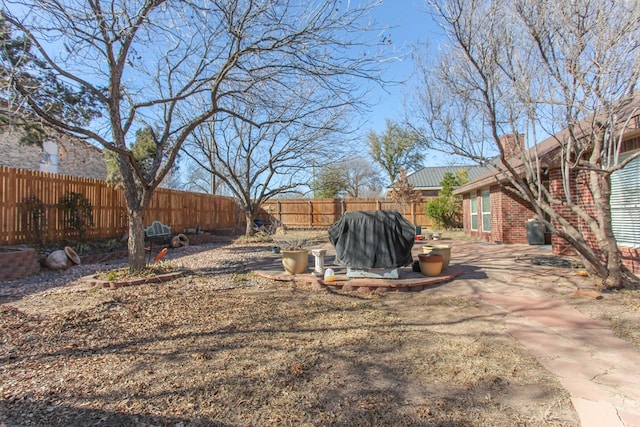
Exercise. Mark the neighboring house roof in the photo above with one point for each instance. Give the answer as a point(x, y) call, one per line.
point(547, 150)
point(430, 178)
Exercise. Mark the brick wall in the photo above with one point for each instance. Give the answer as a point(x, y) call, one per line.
point(75, 157)
point(509, 215)
point(513, 214)
point(19, 156)
point(580, 193)
point(466, 218)
point(18, 262)
point(498, 233)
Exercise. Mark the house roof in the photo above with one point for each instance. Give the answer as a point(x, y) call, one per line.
point(430, 178)
point(547, 150)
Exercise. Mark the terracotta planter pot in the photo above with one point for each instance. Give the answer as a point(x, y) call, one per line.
point(295, 262)
point(430, 264)
point(179, 241)
point(62, 259)
point(444, 250)
point(72, 255)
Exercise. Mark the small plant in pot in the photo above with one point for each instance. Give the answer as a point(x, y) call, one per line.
point(295, 255)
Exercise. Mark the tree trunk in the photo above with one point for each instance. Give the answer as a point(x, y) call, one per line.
point(136, 241)
point(616, 273)
point(615, 269)
point(249, 230)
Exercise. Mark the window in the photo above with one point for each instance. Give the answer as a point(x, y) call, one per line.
point(625, 204)
point(474, 210)
point(486, 209)
point(49, 158)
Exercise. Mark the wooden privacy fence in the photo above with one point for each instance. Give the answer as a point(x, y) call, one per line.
point(29, 200)
point(321, 213)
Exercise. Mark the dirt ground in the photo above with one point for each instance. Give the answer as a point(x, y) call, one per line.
point(259, 353)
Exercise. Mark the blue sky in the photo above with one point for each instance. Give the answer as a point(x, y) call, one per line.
point(413, 27)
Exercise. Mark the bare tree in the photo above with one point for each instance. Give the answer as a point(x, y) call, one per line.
point(173, 65)
point(197, 179)
point(540, 67)
point(351, 177)
point(361, 178)
point(264, 151)
point(403, 193)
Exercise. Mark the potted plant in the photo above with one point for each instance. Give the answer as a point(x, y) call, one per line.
point(295, 255)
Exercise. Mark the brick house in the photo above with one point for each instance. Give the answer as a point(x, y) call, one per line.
point(59, 153)
point(492, 213)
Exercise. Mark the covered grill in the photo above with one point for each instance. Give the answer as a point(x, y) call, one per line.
point(373, 239)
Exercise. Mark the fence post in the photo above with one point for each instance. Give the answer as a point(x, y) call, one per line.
point(11, 210)
point(413, 212)
point(310, 214)
point(279, 212)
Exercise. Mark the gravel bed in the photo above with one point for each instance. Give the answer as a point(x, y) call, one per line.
point(209, 261)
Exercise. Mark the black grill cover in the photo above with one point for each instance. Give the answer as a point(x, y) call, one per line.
point(373, 239)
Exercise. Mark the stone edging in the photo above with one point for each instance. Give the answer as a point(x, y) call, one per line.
point(115, 284)
point(414, 284)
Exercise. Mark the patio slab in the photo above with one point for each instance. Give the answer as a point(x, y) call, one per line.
point(598, 369)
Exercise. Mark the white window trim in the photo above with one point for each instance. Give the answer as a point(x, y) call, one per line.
point(473, 198)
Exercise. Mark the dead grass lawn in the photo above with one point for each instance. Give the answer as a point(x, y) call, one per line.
point(186, 354)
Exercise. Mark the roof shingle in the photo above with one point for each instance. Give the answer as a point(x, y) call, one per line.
point(429, 178)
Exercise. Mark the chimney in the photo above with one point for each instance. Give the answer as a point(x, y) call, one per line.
point(512, 144)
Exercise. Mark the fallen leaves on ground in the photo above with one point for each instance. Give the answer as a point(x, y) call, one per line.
point(190, 353)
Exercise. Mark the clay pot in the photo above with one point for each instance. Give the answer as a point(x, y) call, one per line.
point(62, 259)
point(296, 261)
point(72, 255)
point(179, 241)
point(444, 250)
point(430, 264)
